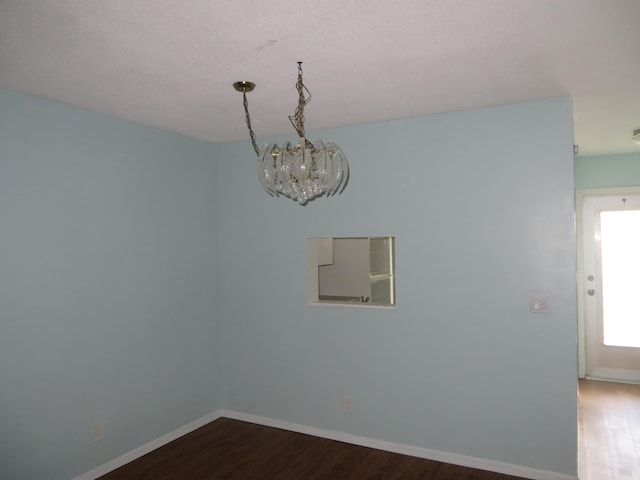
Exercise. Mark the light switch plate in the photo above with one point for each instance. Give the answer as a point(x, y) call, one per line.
point(540, 304)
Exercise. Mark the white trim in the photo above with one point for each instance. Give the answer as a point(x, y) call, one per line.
point(149, 447)
point(582, 357)
point(580, 196)
point(615, 375)
point(350, 305)
point(462, 460)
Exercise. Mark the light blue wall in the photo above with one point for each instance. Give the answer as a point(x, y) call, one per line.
point(607, 171)
point(483, 218)
point(139, 288)
point(108, 260)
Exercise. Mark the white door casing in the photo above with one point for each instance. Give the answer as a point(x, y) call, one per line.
point(597, 360)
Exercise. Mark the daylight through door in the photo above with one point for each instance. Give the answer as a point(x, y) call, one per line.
point(610, 286)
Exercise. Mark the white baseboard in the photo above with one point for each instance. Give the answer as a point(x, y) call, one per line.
point(620, 375)
point(149, 447)
point(463, 460)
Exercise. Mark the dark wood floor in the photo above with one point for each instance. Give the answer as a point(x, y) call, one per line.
point(609, 431)
point(230, 449)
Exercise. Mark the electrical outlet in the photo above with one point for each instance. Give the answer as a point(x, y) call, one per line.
point(97, 431)
point(347, 404)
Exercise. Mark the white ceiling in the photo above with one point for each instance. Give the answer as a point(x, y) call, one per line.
point(171, 63)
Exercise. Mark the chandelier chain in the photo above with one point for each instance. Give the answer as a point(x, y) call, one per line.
point(248, 120)
point(297, 119)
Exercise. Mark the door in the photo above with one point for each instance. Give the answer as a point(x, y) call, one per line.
point(609, 284)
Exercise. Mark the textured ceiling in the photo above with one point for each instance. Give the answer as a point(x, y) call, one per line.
point(170, 63)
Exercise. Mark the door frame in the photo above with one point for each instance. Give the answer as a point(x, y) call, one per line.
point(580, 274)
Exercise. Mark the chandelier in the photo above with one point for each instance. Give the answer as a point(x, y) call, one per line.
point(301, 172)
